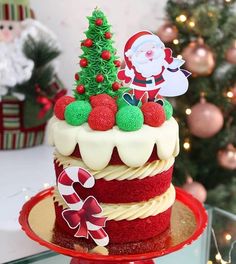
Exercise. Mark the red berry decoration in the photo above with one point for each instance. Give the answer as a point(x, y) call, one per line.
point(83, 62)
point(98, 22)
point(99, 78)
point(117, 63)
point(154, 114)
point(80, 89)
point(88, 43)
point(106, 55)
point(108, 35)
point(60, 106)
point(77, 77)
point(116, 86)
point(103, 100)
point(101, 118)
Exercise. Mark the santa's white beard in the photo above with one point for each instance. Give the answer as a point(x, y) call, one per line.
point(148, 67)
point(15, 67)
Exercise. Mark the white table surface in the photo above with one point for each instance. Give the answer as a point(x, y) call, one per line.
point(23, 174)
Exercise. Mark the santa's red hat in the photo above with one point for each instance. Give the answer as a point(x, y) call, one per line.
point(137, 40)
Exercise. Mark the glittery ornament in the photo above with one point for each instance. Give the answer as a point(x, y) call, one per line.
point(227, 157)
point(167, 32)
point(205, 119)
point(103, 100)
point(83, 62)
point(199, 59)
point(230, 54)
point(129, 118)
point(101, 118)
point(196, 189)
point(99, 22)
point(77, 113)
point(60, 106)
point(106, 55)
point(154, 114)
point(99, 78)
point(88, 43)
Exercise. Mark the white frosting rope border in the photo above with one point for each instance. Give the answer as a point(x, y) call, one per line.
point(118, 172)
point(131, 211)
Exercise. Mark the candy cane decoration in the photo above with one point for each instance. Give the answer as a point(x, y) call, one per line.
point(81, 213)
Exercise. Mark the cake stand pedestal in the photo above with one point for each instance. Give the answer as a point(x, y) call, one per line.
point(188, 222)
point(77, 261)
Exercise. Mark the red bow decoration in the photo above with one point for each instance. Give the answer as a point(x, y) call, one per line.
point(84, 216)
point(46, 102)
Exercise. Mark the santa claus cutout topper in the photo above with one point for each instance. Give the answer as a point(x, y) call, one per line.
point(151, 69)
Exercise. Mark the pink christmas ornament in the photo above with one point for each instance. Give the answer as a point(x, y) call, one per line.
point(230, 54)
point(205, 119)
point(196, 189)
point(227, 157)
point(199, 59)
point(167, 32)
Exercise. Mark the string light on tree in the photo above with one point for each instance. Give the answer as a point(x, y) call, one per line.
point(179, 57)
point(187, 144)
point(188, 111)
point(181, 18)
point(191, 23)
point(176, 41)
point(228, 237)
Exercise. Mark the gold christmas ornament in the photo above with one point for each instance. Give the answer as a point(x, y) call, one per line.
point(205, 119)
point(199, 59)
point(227, 157)
point(167, 32)
point(230, 54)
point(196, 189)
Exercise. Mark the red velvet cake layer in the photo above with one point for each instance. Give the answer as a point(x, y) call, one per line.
point(125, 191)
point(115, 158)
point(125, 231)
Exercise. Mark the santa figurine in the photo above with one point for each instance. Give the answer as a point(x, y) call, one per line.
point(17, 25)
point(151, 69)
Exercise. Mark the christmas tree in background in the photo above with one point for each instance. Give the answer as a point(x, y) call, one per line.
point(98, 60)
point(203, 34)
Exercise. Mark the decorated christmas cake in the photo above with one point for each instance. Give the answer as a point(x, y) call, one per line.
point(116, 145)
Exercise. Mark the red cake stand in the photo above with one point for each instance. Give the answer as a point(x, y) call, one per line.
point(189, 220)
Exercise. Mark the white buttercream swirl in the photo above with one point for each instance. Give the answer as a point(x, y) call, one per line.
point(96, 147)
point(118, 172)
point(131, 211)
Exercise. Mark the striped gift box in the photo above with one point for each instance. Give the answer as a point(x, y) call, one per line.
point(12, 133)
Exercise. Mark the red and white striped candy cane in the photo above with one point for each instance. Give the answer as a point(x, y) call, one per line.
point(66, 180)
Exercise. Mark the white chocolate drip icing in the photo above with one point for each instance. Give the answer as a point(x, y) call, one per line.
point(96, 147)
point(118, 172)
point(131, 211)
